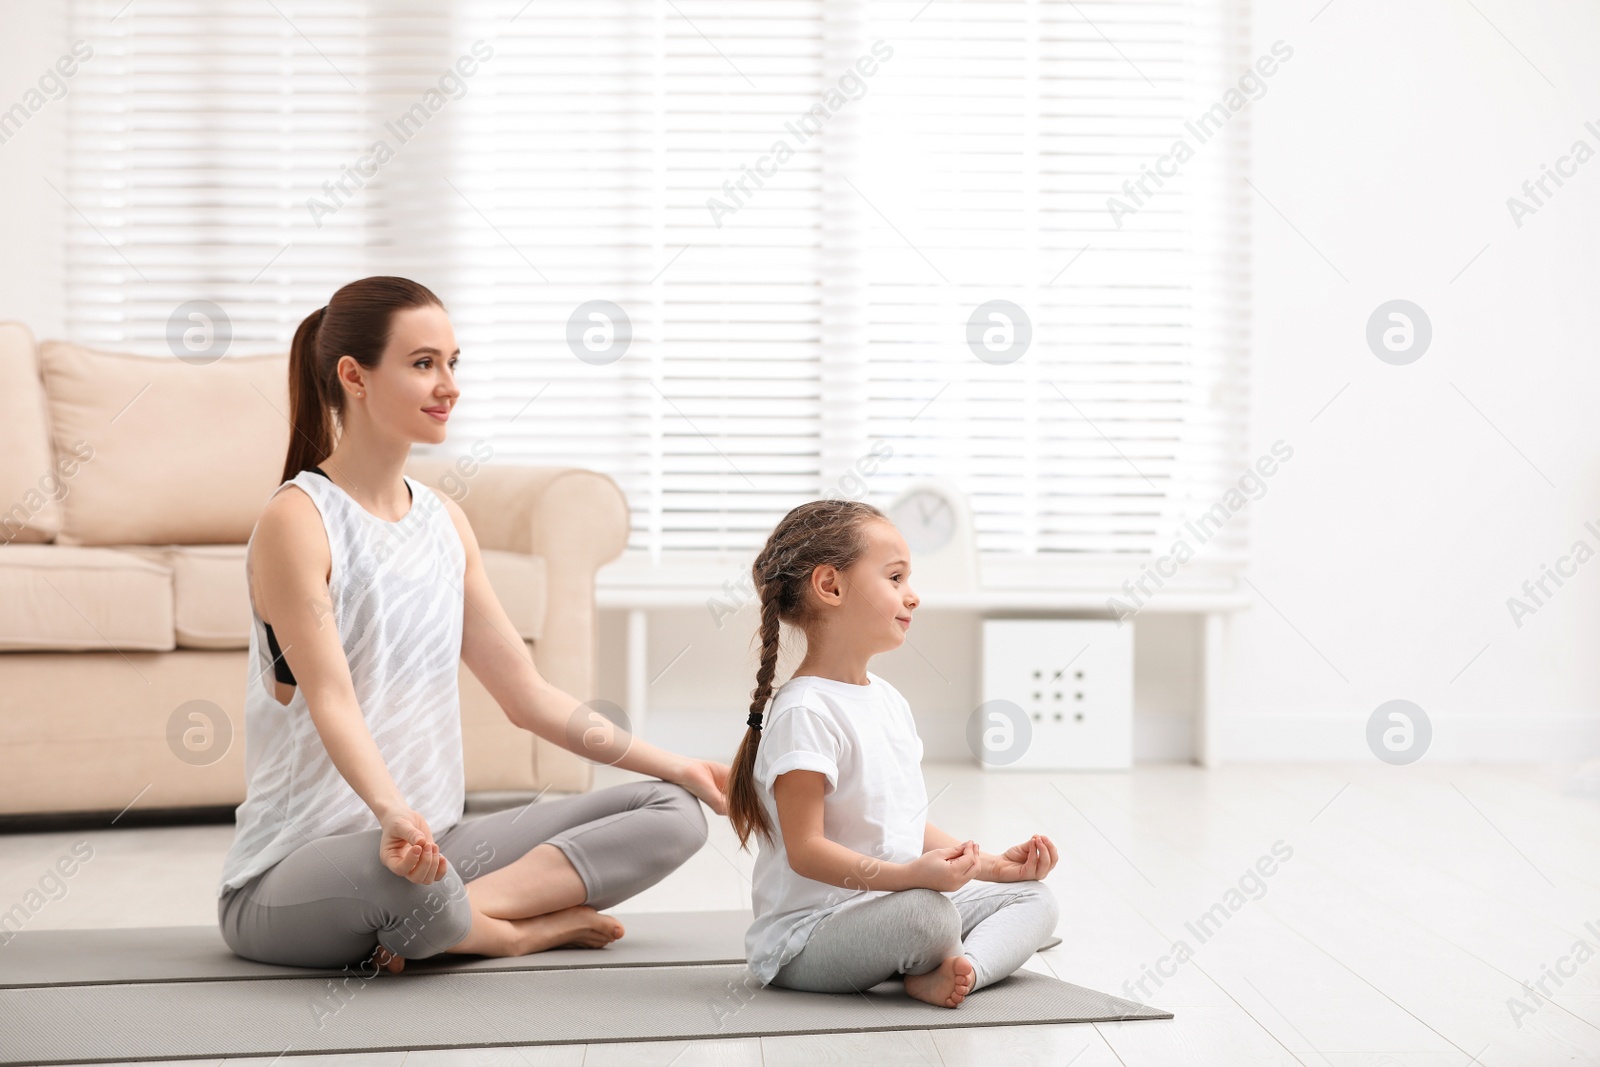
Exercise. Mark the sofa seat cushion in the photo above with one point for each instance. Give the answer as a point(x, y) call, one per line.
point(212, 602)
point(211, 608)
point(63, 598)
point(154, 598)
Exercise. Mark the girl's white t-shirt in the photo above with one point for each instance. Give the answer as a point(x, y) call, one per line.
point(864, 740)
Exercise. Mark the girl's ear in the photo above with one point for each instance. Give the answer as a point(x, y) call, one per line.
point(826, 582)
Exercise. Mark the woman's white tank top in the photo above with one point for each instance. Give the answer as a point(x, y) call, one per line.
point(396, 590)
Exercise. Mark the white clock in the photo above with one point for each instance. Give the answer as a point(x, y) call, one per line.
point(936, 521)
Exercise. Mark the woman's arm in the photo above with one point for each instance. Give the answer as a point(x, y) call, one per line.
point(498, 657)
point(291, 552)
point(291, 549)
point(798, 795)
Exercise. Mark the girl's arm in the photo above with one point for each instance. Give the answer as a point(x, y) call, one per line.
point(933, 837)
point(799, 798)
point(1033, 859)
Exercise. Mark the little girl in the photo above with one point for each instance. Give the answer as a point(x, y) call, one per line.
point(852, 885)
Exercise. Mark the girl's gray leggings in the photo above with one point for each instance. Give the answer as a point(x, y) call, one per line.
point(996, 925)
point(331, 902)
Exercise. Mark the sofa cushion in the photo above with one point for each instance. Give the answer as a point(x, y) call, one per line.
point(70, 599)
point(31, 485)
point(212, 605)
point(210, 609)
point(183, 454)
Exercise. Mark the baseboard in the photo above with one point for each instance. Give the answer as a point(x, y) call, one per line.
point(55, 822)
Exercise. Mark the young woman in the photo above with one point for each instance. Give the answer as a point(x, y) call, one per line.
point(368, 589)
point(853, 885)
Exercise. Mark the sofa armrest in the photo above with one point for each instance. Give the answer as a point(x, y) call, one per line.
point(576, 519)
point(571, 516)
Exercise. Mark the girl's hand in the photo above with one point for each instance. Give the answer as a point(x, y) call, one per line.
point(1027, 862)
point(944, 869)
point(408, 849)
point(706, 780)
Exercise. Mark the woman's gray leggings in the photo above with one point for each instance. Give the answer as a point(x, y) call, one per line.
point(331, 902)
point(996, 925)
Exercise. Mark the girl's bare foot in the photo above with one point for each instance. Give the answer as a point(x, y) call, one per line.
point(388, 961)
point(579, 926)
point(945, 986)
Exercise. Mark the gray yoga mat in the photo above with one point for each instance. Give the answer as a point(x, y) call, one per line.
point(291, 1016)
point(198, 953)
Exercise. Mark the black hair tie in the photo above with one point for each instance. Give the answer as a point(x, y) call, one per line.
point(754, 721)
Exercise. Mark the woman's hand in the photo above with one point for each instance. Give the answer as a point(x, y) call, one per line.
point(1027, 862)
point(706, 780)
point(408, 849)
point(944, 869)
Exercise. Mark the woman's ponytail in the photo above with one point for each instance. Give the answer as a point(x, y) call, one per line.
point(310, 435)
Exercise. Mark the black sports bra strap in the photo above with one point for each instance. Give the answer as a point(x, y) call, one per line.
point(280, 666)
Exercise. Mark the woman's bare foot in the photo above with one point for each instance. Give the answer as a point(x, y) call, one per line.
point(579, 926)
point(945, 986)
point(388, 961)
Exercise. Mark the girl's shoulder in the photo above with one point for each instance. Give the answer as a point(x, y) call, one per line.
point(834, 700)
point(802, 692)
point(878, 679)
point(828, 690)
point(887, 691)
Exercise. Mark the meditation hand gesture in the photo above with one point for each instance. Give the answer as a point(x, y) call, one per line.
point(946, 869)
point(1027, 862)
point(408, 848)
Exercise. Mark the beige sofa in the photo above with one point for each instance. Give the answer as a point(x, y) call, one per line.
point(128, 488)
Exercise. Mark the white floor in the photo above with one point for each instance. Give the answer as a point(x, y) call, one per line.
point(1415, 904)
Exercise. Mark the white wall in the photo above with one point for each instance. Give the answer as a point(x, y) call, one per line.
point(1387, 547)
point(1407, 518)
point(32, 216)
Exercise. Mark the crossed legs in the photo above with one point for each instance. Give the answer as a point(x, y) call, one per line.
point(944, 945)
point(518, 881)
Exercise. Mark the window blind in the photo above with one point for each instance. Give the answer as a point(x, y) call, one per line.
point(713, 250)
point(991, 153)
point(196, 136)
point(602, 131)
